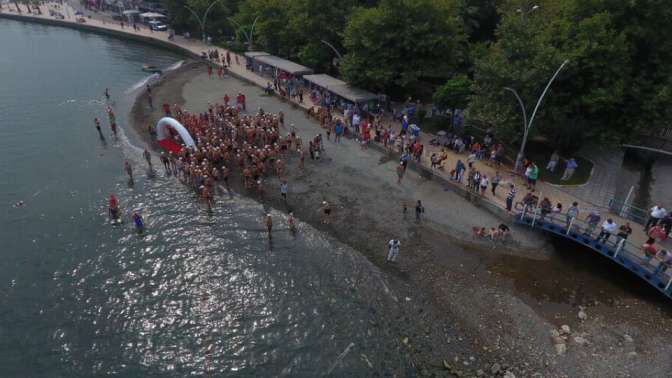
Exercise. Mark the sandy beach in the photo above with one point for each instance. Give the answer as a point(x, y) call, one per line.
point(466, 308)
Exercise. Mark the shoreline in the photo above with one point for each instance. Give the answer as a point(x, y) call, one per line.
point(457, 290)
point(435, 279)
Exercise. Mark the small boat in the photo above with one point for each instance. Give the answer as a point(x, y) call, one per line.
point(151, 68)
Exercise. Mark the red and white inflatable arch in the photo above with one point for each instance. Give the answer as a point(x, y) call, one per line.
point(164, 134)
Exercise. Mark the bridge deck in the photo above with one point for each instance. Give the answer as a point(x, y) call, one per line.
point(625, 253)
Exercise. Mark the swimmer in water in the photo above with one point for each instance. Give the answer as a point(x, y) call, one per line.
point(139, 223)
point(113, 207)
point(107, 94)
point(100, 132)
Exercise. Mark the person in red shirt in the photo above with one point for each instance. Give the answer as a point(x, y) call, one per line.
point(242, 101)
point(166, 108)
point(113, 207)
point(226, 100)
point(649, 250)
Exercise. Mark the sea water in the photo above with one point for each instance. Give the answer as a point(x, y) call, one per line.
point(197, 294)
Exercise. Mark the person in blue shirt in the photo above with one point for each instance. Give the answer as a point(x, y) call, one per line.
point(338, 131)
point(139, 223)
point(404, 125)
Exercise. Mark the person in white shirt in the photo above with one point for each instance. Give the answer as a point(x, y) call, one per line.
point(393, 250)
point(608, 228)
point(655, 215)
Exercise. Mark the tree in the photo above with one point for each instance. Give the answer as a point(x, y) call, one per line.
point(529, 47)
point(400, 42)
point(454, 94)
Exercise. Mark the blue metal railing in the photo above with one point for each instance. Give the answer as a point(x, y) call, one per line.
point(621, 251)
point(627, 211)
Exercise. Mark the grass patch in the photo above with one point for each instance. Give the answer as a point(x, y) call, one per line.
point(540, 153)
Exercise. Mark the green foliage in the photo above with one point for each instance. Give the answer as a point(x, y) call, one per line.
point(399, 42)
point(454, 94)
point(530, 47)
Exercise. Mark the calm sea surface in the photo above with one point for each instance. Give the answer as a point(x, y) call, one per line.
point(197, 295)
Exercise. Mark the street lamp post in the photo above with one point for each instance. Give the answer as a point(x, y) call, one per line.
point(525, 13)
point(340, 56)
point(249, 37)
point(528, 125)
point(201, 21)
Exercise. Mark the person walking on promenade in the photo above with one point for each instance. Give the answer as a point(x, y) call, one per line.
point(148, 158)
point(569, 169)
point(495, 182)
point(129, 170)
point(608, 228)
point(484, 184)
point(419, 211)
point(393, 247)
point(572, 213)
point(209, 71)
point(656, 214)
point(510, 196)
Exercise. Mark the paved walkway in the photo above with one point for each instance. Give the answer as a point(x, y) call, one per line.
point(194, 46)
point(601, 187)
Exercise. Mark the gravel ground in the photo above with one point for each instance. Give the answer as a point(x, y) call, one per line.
point(464, 307)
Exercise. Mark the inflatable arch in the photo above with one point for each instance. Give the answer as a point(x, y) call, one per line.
point(163, 136)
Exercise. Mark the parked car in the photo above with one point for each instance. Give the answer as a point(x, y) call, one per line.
point(157, 25)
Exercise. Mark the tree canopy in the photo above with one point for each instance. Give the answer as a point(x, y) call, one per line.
point(395, 44)
point(618, 82)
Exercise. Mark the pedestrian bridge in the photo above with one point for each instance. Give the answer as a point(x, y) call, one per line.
point(625, 253)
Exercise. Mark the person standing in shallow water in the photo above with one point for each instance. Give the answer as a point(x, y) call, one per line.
point(269, 225)
point(148, 158)
point(129, 170)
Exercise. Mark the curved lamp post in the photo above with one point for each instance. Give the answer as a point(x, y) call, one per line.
point(528, 125)
point(201, 21)
point(249, 37)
